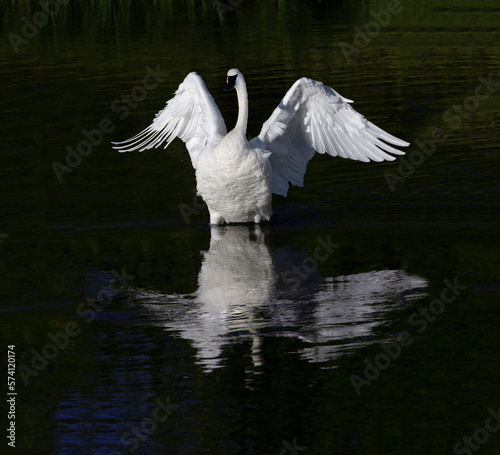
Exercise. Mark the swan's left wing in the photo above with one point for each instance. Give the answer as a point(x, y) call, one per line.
point(314, 117)
point(190, 115)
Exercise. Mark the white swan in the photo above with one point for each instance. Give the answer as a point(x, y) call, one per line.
point(236, 177)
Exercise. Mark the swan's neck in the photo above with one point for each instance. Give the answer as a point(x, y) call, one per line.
point(241, 124)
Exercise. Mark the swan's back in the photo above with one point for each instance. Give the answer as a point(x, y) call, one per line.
point(235, 180)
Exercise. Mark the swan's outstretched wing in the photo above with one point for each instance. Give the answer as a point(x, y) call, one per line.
point(314, 117)
point(190, 115)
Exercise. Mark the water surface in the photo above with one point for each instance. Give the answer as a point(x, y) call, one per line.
point(140, 329)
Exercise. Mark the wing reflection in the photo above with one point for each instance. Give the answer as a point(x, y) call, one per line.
point(245, 292)
point(349, 307)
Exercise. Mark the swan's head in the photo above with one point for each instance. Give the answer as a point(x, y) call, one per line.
point(234, 78)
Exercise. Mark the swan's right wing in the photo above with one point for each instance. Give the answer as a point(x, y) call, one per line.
point(190, 115)
point(313, 117)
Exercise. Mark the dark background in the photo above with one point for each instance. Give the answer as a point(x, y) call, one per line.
point(280, 373)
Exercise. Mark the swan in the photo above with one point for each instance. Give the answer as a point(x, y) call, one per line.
point(236, 177)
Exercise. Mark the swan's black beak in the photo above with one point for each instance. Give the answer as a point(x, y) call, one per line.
point(231, 80)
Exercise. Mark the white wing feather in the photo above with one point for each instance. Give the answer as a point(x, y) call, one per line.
point(314, 117)
point(190, 115)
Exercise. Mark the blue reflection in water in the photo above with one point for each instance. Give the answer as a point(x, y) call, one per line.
point(247, 291)
point(116, 413)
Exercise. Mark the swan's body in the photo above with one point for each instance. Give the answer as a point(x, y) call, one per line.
point(235, 181)
point(236, 177)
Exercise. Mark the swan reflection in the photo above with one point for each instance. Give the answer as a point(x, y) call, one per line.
point(237, 269)
point(244, 294)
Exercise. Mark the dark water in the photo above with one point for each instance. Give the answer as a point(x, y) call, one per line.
point(363, 320)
